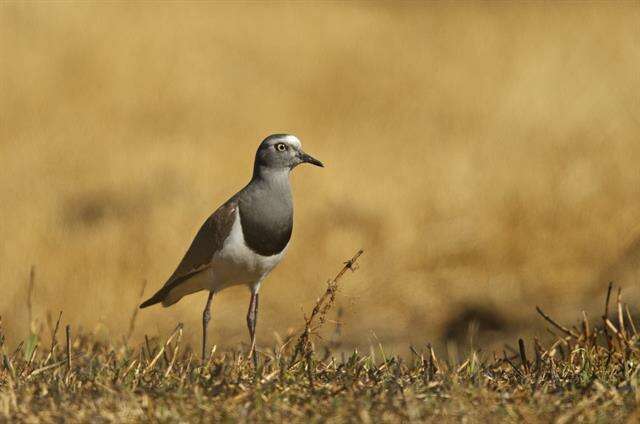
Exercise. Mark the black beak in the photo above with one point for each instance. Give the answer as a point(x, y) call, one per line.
point(305, 158)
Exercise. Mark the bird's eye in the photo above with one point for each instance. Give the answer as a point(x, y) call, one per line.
point(281, 147)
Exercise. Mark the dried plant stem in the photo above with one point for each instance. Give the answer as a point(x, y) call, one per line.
point(47, 368)
point(586, 328)
point(621, 325)
point(631, 323)
point(152, 364)
point(175, 353)
point(606, 315)
point(54, 335)
point(562, 328)
point(68, 333)
point(523, 355)
point(322, 306)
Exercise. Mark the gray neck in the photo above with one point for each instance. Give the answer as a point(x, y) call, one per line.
point(272, 186)
point(265, 173)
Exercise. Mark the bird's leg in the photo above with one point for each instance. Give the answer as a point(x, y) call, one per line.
point(206, 317)
point(252, 319)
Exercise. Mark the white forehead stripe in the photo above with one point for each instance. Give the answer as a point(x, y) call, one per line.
point(292, 140)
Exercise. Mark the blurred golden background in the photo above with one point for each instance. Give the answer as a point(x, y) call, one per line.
point(485, 155)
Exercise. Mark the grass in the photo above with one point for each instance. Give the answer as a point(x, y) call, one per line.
point(586, 374)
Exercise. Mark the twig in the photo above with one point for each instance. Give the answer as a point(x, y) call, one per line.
point(162, 349)
point(68, 332)
point(16, 351)
point(538, 351)
point(321, 308)
point(54, 334)
point(620, 314)
point(630, 319)
point(147, 344)
point(433, 362)
point(523, 355)
point(606, 302)
point(555, 324)
point(616, 331)
point(128, 370)
point(506, 359)
point(585, 327)
point(175, 354)
point(606, 315)
point(48, 367)
point(9, 365)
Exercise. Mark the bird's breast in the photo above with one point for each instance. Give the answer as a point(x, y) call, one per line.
point(266, 225)
point(237, 263)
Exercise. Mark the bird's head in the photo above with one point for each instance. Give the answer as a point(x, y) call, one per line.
point(281, 152)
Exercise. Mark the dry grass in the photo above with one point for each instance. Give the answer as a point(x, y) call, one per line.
point(591, 374)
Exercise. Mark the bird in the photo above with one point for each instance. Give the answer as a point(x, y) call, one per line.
point(245, 238)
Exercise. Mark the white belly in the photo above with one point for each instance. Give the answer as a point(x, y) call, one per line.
point(236, 264)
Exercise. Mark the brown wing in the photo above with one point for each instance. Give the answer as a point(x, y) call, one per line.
point(208, 241)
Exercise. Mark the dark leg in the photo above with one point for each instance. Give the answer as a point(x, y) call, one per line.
point(252, 320)
point(206, 316)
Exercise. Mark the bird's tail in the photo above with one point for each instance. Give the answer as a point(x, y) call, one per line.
point(156, 298)
point(176, 289)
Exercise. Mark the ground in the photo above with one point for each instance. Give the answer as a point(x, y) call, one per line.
point(587, 374)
